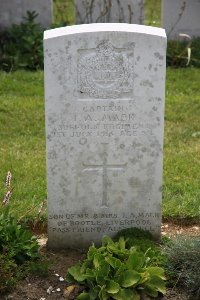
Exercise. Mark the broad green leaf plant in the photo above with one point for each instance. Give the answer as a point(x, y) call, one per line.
point(114, 272)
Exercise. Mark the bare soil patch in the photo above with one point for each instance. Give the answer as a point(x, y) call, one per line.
point(172, 229)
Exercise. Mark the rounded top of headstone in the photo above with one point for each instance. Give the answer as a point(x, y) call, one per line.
point(104, 27)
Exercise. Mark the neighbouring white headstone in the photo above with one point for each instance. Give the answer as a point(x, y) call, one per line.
point(109, 11)
point(104, 89)
point(181, 17)
point(13, 11)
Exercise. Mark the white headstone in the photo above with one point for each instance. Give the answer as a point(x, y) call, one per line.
point(181, 17)
point(109, 11)
point(13, 11)
point(104, 89)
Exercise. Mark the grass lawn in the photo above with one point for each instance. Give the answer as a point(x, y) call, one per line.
point(182, 144)
point(22, 141)
point(22, 138)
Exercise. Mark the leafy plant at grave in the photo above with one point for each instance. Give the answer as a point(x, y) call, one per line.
point(183, 264)
point(15, 240)
point(21, 45)
point(136, 237)
point(115, 272)
point(17, 244)
point(17, 247)
point(143, 241)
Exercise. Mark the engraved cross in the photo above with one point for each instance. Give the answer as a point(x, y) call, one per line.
point(104, 168)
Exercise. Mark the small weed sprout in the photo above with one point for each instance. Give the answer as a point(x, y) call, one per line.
point(8, 195)
point(8, 192)
point(8, 180)
point(41, 209)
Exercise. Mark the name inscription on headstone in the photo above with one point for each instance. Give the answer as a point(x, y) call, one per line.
point(104, 121)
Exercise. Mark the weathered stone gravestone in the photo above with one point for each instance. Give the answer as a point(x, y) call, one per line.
point(104, 88)
point(13, 11)
point(181, 17)
point(110, 11)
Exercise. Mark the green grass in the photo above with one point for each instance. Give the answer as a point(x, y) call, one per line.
point(22, 141)
point(22, 138)
point(182, 144)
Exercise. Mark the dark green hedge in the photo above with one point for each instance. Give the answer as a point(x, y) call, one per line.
point(21, 45)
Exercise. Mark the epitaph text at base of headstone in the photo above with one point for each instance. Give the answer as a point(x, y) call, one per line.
point(109, 11)
point(181, 17)
point(14, 11)
point(104, 89)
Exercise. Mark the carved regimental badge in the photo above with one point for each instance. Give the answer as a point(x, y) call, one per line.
point(105, 72)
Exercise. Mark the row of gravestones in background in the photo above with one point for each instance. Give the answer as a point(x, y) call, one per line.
point(178, 16)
